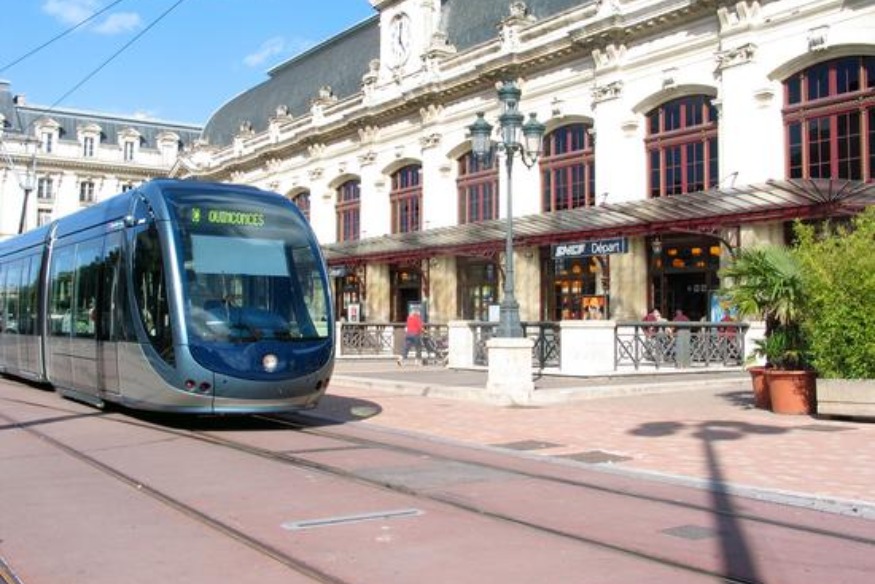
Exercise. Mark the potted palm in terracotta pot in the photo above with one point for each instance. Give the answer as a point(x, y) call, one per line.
point(766, 281)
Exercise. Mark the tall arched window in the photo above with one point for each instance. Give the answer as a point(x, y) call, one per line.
point(302, 200)
point(406, 199)
point(682, 146)
point(349, 210)
point(478, 188)
point(568, 168)
point(830, 119)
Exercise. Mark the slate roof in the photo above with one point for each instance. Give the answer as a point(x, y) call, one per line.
point(695, 212)
point(19, 119)
point(341, 62)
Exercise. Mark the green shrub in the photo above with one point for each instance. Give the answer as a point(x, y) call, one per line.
point(839, 281)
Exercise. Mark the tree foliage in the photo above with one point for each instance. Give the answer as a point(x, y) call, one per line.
point(839, 282)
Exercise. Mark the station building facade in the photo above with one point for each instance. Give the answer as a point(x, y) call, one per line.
point(68, 159)
point(676, 133)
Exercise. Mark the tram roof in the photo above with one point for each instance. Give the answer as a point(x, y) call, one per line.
point(701, 212)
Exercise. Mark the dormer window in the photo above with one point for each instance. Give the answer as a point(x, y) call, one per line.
point(47, 140)
point(88, 147)
point(129, 151)
point(129, 142)
point(89, 138)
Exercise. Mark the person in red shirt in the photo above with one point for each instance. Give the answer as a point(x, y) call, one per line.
point(413, 335)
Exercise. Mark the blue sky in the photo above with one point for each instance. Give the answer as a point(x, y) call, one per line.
point(183, 67)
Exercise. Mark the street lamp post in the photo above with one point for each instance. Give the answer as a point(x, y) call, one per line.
point(27, 182)
point(516, 137)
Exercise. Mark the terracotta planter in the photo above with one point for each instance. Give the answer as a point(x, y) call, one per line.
point(758, 380)
point(792, 392)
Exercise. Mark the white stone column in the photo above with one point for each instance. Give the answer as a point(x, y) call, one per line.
point(587, 347)
point(510, 371)
point(460, 338)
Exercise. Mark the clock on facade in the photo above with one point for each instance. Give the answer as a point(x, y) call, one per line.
point(399, 37)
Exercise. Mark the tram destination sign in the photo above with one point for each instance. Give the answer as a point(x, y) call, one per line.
point(593, 247)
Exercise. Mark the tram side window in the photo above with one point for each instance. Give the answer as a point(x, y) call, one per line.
point(61, 293)
point(111, 325)
point(150, 291)
point(314, 321)
point(28, 295)
point(2, 299)
point(87, 279)
point(13, 282)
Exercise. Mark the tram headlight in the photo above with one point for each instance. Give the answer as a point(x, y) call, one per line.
point(270, 362)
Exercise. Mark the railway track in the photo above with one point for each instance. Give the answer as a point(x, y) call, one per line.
point(227, 433)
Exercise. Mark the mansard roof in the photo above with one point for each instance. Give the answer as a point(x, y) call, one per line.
point(21, 119)
point(342, 61)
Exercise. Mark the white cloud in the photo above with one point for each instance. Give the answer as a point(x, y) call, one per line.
point(269, 48)
point(118, 23)
point(71, 12)
point(273, 47)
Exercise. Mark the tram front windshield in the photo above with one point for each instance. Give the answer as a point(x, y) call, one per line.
point(251, 273)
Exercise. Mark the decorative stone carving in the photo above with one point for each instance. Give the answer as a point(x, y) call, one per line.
point(316, 150)
point(369, 134)
point(746, 14)
point(430, 141)
point(669, 78)
point(511, 26)
point(737, 56)
point(612, 90)
point(367, 158)
point(315, 173)
point(610, 56)
point(817, 38)
point(431, 113)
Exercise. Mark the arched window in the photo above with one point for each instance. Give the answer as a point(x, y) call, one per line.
point(348, 210)
point(568, 168)
point(830, 119)
point(478, 188)
point(682, 146)
point(406, 199)
point(302, 200)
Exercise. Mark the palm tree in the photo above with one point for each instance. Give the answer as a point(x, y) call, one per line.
point(767, 282)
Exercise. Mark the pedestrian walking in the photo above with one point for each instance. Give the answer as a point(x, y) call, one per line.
point(412, 336)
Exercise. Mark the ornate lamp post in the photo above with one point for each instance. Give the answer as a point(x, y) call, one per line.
point(516, 137)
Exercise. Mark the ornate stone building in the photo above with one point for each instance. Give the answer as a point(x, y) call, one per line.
point(676, 131)
point(68, 159)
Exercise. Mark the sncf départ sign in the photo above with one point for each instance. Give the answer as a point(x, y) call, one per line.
point(591, 248)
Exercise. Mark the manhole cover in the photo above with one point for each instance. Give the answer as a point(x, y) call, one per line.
point(595, 457)
point(691, 532)
point(527, 445)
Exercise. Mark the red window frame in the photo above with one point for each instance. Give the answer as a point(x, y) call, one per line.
point(681, 143)
point(477, 186)
point(406, 199)
point(349, 211)
point(568, 168)
point(829, 120)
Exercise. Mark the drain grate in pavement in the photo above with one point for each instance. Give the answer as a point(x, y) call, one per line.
point(822, 428)
point(691, 532)
point(527, 445)
point(595, 457)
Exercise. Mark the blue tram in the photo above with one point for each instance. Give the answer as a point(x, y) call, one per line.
point(177, 296)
